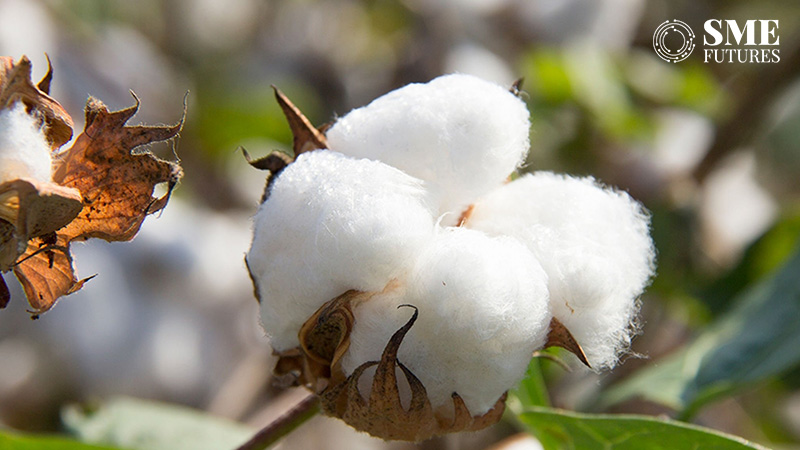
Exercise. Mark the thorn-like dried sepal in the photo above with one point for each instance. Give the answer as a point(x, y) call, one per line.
point(516, 86)
point(325, 338)
point(560, 336)
point(274, 163)
point(306, 137)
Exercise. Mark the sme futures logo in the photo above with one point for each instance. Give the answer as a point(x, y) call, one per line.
point(724, 41)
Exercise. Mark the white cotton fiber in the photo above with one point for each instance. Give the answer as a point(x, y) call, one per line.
point(24, 152)
point(482, 312)
point(462, 135)
point(332, 223)
point(594, 244)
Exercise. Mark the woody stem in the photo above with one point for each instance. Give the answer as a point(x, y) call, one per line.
point(285, 424)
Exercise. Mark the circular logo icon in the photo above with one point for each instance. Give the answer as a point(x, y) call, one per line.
point(680, 37)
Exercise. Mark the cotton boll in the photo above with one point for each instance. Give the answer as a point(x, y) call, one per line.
point(24, 152)
point(332, 223)
point(482, 312)
point(462, 135)
point(594, 244)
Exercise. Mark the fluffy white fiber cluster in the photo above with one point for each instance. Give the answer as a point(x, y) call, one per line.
point(459, 134)
point(24, 152)
point(331, 224)
point(539, 247)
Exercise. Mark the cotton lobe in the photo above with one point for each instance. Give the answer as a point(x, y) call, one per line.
point(24, 152)
point(483, 311)
point(594, 244)
point(332, 223)
point(462, 135)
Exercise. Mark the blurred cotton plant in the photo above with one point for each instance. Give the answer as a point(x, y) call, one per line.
point(407, 202)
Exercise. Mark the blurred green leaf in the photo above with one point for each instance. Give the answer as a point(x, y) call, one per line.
point(546, 74)
point(531, 391)
point(557, 430)
point(699, 89)
point(757, 339)
point(760, 259)
point(224, 121)
point(139, 425)
point(598, 85)
point(14, 441)
point(228, 119)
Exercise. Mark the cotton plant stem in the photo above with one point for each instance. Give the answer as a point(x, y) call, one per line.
point(272, 433)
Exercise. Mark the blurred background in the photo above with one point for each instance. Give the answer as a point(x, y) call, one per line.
point(713, 150)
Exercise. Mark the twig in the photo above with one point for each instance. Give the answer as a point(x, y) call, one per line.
point(284, 425)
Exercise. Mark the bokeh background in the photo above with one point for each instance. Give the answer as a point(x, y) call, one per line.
point(713, 150)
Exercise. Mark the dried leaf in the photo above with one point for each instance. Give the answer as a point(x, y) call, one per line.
point(16, 85)
point(30, 208)
point(116, 182)
point(102, 187)
point(306, 137)
point(45, 272)
point(559, 336)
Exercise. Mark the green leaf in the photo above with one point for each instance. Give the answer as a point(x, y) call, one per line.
point(530, 392)
point(547, 74)
point(139, 424)
point(757, 339)
point(15, 441)
point(558, 430)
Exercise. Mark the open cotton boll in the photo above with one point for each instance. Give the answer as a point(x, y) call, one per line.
point(332, 223)
point(594, 244)
point(24, 152)
point(460, 134)
point(482, 312)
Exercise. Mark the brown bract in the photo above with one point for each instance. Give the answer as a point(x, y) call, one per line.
point(560, 336)
point(16, 85)
point(305, 138)
point(102, 187)
point(325, 338)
